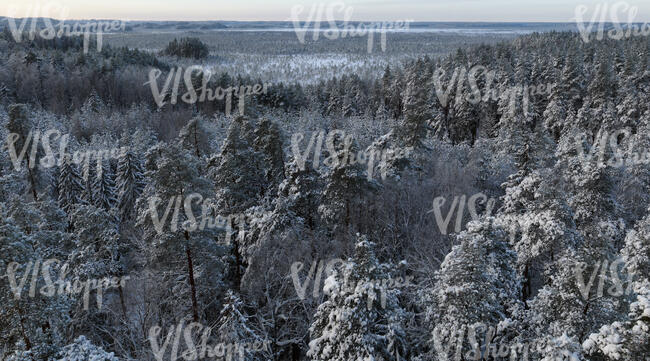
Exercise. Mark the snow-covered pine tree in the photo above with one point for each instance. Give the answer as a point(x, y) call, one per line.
point(236, 171)
point(595, 210)
point(476, 284)
point(540, 224)
point(636, 251)
point(98, 252)
point(236, 331)
point(302, 190)
point(361, 318)
point(20, 124)
point(602, 87)
point(566, 310)
point(84, 350)
point(466, 118)
point(588, 187)
point(346, 187)
point(93, 104)
point(348, 106)
point(572, 79)
point(628, 110)
point(195, 137)
point(33, 319)
point(504, 89)
point(556, 113)
point(176, 185)
point(634, 159)
point(53, 183)
point(269, 143)
point(629, 338)
point(334, 99)
point(440, 98)
point(414, 127)
point(537, 102)
point(392, 84)
point(514, 126)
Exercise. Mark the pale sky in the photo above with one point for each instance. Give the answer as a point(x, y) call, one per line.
point(362, 10)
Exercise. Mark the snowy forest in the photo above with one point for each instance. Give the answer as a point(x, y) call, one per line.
point(480, 198)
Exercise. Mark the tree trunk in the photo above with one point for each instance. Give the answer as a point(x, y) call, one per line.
point(238, 264)
point(28, 344)
point(196, 142)
point(190, 270)
point(584, 312)
point(122, 301)
point(347, 213)
point(33, 183)
point(295, 352)
point(445, 121)
point(527, 286)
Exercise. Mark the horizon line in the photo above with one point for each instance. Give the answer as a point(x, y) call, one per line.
point(327, 21)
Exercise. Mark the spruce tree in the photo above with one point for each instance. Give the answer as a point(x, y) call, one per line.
point(130, 183)
point(70, 186)
point(413, 129)
point(104, 187)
